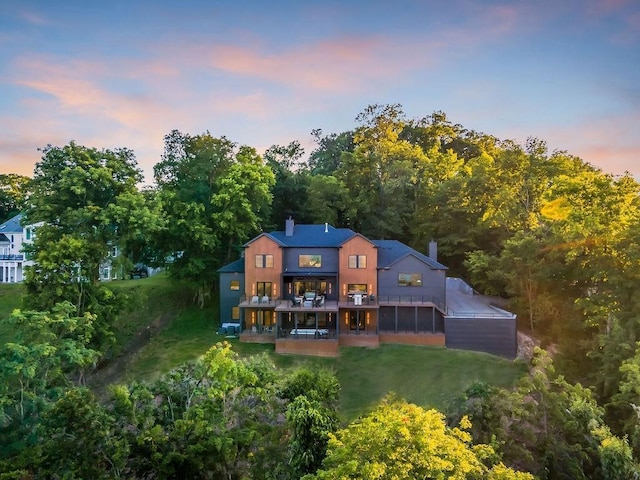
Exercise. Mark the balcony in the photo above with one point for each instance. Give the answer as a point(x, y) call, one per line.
point(16, 257)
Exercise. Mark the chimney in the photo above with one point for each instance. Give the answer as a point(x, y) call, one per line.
point(326, 228)
point(288, 227)
point(433, 250)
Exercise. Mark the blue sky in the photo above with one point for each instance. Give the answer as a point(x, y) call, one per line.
point(124, 74)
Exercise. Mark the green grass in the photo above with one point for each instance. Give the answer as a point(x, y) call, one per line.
point(427, 376)
point(10, 299)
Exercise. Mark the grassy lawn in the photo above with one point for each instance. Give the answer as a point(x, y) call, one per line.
point(10, 299)
point(427, 376)
point(174, 331)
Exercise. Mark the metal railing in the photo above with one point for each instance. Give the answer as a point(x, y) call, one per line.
point(13, 256)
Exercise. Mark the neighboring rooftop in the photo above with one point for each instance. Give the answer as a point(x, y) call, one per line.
point(12, 225)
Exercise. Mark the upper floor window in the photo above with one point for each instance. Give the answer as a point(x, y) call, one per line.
point(309, 261)
point(234, 285)
point(357, 261)
point(357, 288)
point(264, 260)
point(409, 279)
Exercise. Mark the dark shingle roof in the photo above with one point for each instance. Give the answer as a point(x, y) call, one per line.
point(313, 236)
point(233, 267)
point(390, 251)
point(12, 225)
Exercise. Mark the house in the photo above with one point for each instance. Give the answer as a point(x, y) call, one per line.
point(13, 236)
point(313, 288)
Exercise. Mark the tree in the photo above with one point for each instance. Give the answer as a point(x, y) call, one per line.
point(84, 202)
point(311, 416)
point(380, 175)
point(326, 158)
point(216, 196)
point(399, 440)
point(290, 191)
point(14, 189)
point(547, 426)
point(50, 348)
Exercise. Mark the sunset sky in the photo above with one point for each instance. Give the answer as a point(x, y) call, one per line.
point(117, 73)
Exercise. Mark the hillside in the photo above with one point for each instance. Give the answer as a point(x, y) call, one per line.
point(166, 329)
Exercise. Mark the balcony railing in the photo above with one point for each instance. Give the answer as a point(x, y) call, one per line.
point(14, 256)
point(410, 300)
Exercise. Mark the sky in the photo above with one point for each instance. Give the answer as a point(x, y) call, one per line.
point(125, 73)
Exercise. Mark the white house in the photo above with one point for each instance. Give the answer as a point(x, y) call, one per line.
point(13, 237)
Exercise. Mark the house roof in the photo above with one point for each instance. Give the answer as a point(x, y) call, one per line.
point(391, 251)
point(313, 236)
point(12, 225)
point(233, 267)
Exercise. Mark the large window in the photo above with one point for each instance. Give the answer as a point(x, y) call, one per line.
point(309, 261)
point(235, 313)
point(409, 279)
point(234, 285)
point(264, 260)
point(357, 261)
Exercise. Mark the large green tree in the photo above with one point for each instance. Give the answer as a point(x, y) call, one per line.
point(399, 440)
point(215, 196)
point(84, 202)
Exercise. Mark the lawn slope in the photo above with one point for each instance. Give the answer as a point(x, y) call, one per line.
point(164, 329)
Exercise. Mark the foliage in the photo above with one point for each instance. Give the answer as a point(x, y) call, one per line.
point(14, 190)
point(547, 426)
point(35, 369)
point(401, 440)
point(84, 202)
point(311, 416)
point(216, 196)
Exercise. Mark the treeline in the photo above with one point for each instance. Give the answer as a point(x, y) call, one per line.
point(553, 234)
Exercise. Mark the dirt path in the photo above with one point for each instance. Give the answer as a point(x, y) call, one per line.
point(109, 372)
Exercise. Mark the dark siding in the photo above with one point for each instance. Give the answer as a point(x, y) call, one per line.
point(433, 281)
point(229, 298)
point(329, 260)
point(497, 336)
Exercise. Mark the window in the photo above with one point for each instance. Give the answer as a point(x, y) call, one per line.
point(234, 285)
point(409, 279)
point(357, 288)
point(309, 261)
point(263, 288)
point(28, 234)
point(235, 313)
point(357, 261)
point(264, 261)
